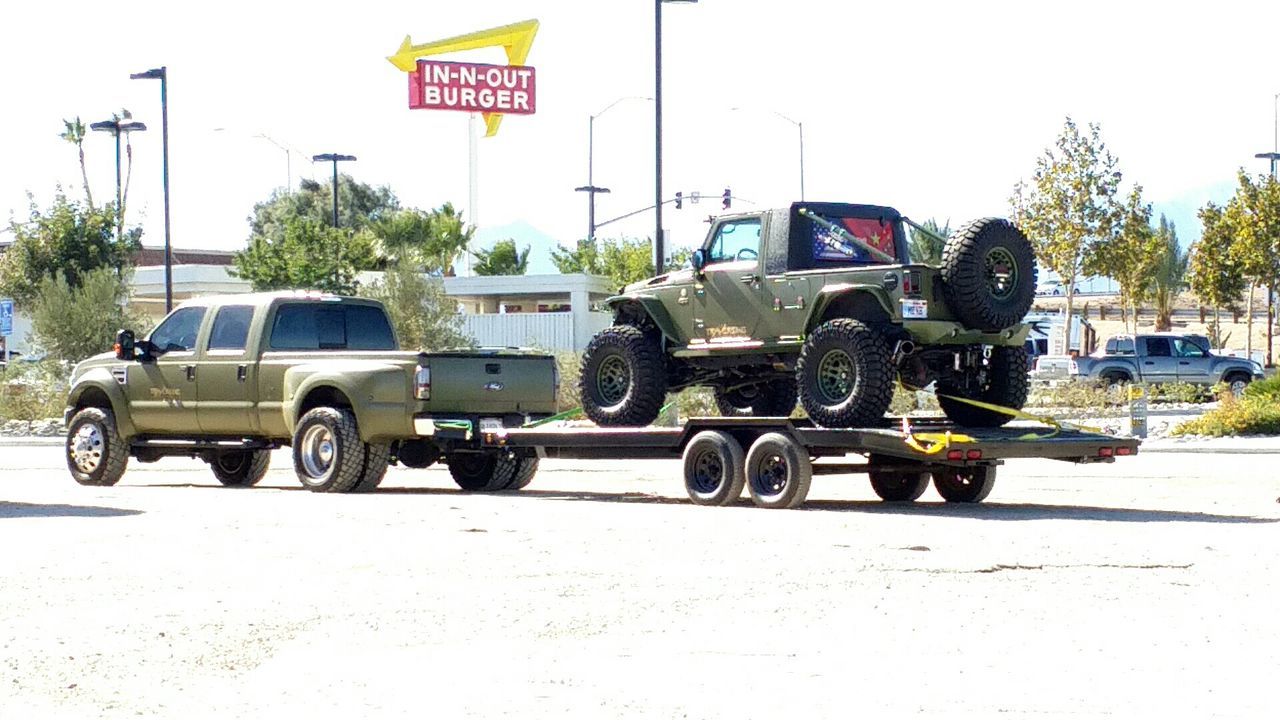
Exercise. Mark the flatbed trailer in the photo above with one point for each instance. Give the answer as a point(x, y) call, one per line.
point(774, 458)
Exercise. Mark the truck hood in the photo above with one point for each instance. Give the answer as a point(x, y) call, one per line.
point(100, 360)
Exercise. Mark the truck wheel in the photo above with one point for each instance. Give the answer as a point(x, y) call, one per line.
point(1007, 384)
point(482, 472)
point(417, 454)
point(377, 456)
point(623, 381)
point(897, 485)
point(1237, 382)
point(96, 454)
point(242, 468)
point(776, 398)
point(843, 374)
point(1113, 380)
point(964, 485)
point(778, 472)
point(327, 453)
point(714, 468)
point(526, 467)
point(989, 274)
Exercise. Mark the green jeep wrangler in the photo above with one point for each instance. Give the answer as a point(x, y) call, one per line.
point(820, 301)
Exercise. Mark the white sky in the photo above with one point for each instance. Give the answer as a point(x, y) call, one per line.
point(936, 108)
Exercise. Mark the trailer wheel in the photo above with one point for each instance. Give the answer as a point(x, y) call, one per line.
point(327, 453)
point(778, 472)
point(714, 468)
point(241, 468)
point(377, 456)
point(482, 472)
point(964, 485)
point(96, 454)
point(897, 485)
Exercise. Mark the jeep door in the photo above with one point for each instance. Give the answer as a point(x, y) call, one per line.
point(1193, 361)
point(227, 377)
point(163, 398)
point(1158, 363)
point(727, 309)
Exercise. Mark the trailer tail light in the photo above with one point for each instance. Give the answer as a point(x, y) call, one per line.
point(1124, 451)
point(955, 454)
point(974, 455)
point(422, 383)
point(1105, 452)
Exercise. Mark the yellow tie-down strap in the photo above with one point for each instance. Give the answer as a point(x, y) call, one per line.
point(938, 442)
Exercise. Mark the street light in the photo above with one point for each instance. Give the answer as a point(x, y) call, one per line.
point(335, 159)
point(118, 126)
point(162, 74)
point(591, 187)
point(799, 126)
point(289, 152)
point(657, 127)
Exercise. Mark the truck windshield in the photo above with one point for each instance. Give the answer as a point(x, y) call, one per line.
point(317, 326)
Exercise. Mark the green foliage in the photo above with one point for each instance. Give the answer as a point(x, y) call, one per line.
point(927, 248)
point(1070, 204)
point(1258, 414)
point(623, 261)
point(1215, 277)
point(1129, 255)
point(74, 133)
point(359, 207)
point(431, 240)
point(1168, 277)
point(502, 259)
point(310, 255)
point(68, 239)
point(1268, 390)
point(33, 391)
point(423, 316)
point(1253, 214)
point(71, 323)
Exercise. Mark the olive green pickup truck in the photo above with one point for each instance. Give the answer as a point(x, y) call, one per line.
point(229, 378)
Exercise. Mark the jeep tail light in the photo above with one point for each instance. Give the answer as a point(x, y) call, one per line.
point(422, 383)
point(911, 284)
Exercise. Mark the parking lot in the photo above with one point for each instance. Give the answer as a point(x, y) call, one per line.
point(1145, 588)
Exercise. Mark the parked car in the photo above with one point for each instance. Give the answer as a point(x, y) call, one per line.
point(1165, 357)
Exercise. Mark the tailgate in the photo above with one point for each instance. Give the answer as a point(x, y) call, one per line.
point(492, 382)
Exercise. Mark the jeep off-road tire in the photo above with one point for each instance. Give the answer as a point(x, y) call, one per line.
point(483, 471)
point(377, 456)
point(623, 379)
point(96, 454)
point(775, 398)
point(240, 468)
point(1008, 384)
point(328, 455)
point(989, 274)
point(844, 376)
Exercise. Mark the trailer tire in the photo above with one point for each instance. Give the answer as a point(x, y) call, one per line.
point(327, 453)
point(96, 454)
point(897, 485)
point(482, 471)
point(714, 468)
point(240, 468)
point(778, 472)
point(1008, 384)
point(377, 456)
point(844, 376)
point(964, 484)
point(623, 379)
point(774, 398)
point(989, 274)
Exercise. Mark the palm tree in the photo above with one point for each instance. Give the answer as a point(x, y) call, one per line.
point(927, 248)
point(74, 134)
point(1170, 275)
point(122, 116)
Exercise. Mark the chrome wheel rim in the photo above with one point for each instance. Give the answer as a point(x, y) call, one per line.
point(317, 451)
point(613, 380)
point(86, 448)
point(836, 376)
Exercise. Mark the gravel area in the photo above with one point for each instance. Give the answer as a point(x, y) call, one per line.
point(1145, 588)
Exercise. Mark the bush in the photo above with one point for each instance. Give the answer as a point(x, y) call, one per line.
point(72, 323)
point(33, 391)
point(1257, 415)
point(1268, 389)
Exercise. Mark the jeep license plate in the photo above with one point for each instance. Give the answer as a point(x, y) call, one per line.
point(915, 309)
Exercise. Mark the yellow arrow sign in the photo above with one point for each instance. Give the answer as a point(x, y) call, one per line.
point(516, 39)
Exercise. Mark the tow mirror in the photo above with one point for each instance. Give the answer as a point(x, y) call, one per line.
point(126, 346)
point(698, 260)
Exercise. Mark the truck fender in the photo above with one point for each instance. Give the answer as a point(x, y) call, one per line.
point(1128, 367)
point(651, 307)
point(870, 300)
point(90, 391)
point(360, 385)
point(1226, 366)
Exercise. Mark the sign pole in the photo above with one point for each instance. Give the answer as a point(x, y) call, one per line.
point(473, 202)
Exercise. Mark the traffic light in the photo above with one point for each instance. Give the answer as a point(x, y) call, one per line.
point(728, 198)
point(679, 200)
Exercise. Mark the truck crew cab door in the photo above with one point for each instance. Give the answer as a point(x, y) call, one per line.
point(227, 380)
point(163, 399)
point(727, 310)
point(1158, 365)
point(1193, 361)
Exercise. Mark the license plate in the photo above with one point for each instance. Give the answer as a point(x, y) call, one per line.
point(917, 309)
point(490, 424)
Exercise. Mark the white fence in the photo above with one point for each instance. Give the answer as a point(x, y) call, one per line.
point(549, 331)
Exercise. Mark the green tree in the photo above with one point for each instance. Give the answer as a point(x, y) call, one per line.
point(1254, 214)
point(1215, 279)
point(1070, 203)
point(71, 322)
point(502, 259)
point(73, 133)
point(1128, 255)
point(423, 316)
point(310, 255)
point(67, 239)
point(1169, 276)
point(359, 207)
point(624, 260)
point(926, 248)
point(433, 240)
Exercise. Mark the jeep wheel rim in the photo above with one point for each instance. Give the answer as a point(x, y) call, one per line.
point(86, 448)
point(770, 476)
point(317, 451)
point(708, 472)
point(613, 380)
point(836, 376)
point(1001, 272)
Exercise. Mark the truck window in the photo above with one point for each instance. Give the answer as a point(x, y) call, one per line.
point(1120, 346)
point(316, 326)
point(231, 327)
point(831, 243)
point(1158, 347)
point(178, 332)
point(1183, 347)
point(735, 240)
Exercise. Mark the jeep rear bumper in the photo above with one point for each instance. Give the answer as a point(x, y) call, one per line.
point(945, 332)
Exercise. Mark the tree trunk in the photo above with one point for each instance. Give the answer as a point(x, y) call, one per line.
point(1270, 312)
point(1248, 312)
point(1071, 295)
point(84, 175)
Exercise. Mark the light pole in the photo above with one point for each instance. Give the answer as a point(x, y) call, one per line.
point(590, 188)
point(657, 129)
point(162, 74)
point(800, 127)
point(289, 152)
point(118, 126)
point(335, 159)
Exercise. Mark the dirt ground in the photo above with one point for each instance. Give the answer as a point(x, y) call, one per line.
point(1147, 588)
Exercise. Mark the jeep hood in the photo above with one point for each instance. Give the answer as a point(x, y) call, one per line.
point(675, 276)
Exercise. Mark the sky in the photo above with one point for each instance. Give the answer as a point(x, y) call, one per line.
point(935, 108)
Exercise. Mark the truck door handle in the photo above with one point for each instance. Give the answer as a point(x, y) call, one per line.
point(242, 373)
point(1149, 362)
point(191, 371)
point(750, 279)
point(1183, 362)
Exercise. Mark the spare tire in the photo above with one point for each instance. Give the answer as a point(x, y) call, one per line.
point(989, 274)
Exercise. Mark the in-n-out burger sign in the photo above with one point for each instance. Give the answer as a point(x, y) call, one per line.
point(472, 87)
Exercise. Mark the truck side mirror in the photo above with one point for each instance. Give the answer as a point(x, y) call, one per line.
point(126, 345)
point(698, 260)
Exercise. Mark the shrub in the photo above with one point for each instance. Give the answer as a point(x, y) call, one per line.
point(1258, 415)
point(1268, 389)
point(33, 391)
